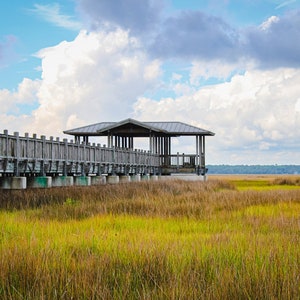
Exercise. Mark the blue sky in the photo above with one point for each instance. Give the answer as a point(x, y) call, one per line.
point(232, 67)
point(24, 30)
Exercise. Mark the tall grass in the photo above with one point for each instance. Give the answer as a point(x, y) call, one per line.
point(150, 240)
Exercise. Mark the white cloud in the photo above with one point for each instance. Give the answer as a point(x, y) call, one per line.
point(52, 14)
point(12, 116)
point(297, 105)
point(97, 77)
point(206, 69)
point(268, 23)
point(250, 114)
point(26, 94)
point(285, 3)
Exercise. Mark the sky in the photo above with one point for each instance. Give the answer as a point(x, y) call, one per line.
point(228, 66)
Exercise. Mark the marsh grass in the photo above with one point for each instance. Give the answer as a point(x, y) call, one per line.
point(151, 240)
point(263, 182)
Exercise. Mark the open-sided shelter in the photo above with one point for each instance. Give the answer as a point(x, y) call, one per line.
point(122, 134)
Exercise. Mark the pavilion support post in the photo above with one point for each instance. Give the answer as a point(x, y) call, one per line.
point(197, 155)
point(118, 141)
point(130, 142)
point(165, 142)
point(163, 147)
point(110, 140)
point(200, 151)
point(150, 142)
point(153, 145)
point(84, 139)
point(159, 148)
point(169, 150)
point(203, 153)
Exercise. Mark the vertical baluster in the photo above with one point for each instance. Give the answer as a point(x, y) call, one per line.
point(16, 154)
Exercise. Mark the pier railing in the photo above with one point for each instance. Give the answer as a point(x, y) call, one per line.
point(40, 156)
point(184, 163)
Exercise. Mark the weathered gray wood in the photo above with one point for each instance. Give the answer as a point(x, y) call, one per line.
point(33, 155)
point(39, 156)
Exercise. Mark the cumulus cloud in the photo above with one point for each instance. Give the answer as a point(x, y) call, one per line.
point(12, 103)
point(137, 16)
point(193, 34)
point(250, 114)
point(200, 36)
point(202, 70)
point(96, 77)
point(276, 42)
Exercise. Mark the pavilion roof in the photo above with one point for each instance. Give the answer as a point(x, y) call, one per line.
point(131, 127)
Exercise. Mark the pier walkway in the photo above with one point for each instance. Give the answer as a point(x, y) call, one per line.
point(37, 159)
point(40, 162)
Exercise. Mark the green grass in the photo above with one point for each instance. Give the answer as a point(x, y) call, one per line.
point(259, 184)
point(159, 240)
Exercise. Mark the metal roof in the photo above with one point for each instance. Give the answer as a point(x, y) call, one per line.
point(168, 128)
point(179, 128)
point(145, 125)
point(92, 129)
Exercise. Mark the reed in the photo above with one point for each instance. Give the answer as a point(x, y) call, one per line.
point(150, 240)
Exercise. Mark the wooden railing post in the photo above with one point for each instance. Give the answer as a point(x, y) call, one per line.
point(6, 143)
point(65, 157)
point(5, 151)
point(43, 156)
point(16, 154)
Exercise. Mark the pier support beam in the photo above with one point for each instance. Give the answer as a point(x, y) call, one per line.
point(125, 179)
point(13, 183)
point(59, 181)
point(145, 177)
point(98, 180)
point(153, 177)
point(136, 178)
point(41, 182)
point(82, 180)
point(113, 179)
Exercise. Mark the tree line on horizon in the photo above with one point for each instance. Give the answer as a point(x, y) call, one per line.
point(253, 169)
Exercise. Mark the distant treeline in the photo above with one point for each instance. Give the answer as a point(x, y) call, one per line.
point(253, 169)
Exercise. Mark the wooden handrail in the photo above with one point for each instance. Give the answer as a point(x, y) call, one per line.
point(32, 155)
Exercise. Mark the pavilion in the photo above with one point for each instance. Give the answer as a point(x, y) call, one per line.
point(122, 134)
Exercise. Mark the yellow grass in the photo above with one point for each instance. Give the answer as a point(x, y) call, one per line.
point(153, 240)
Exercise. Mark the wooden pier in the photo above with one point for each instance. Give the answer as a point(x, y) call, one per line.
point(33, 156)
point(40, 162)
